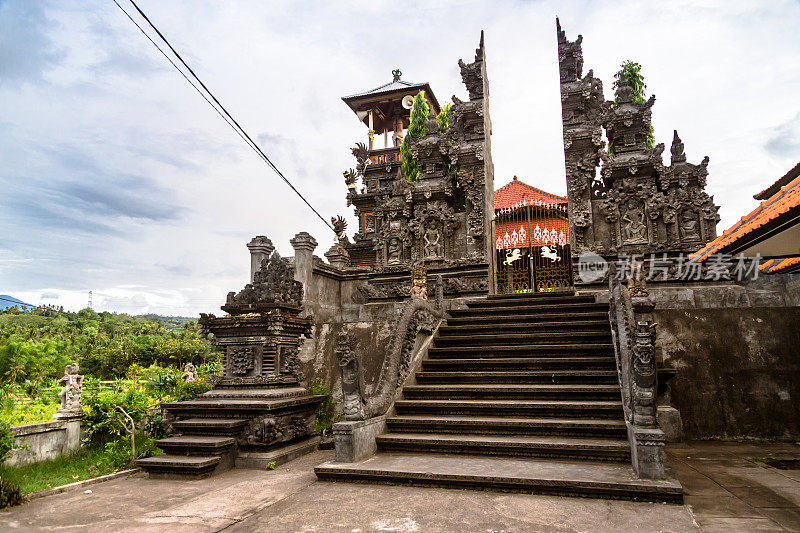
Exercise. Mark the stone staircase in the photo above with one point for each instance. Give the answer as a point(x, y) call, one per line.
point(518, 393)
point(214, 433)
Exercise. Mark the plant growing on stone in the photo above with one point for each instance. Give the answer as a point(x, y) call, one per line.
point(631, 72)
point(416, 129)
point(443, 118)
point(325, 415)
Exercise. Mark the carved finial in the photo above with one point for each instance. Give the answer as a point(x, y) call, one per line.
point(479, 50)
point(396, 74)
point(678, 155)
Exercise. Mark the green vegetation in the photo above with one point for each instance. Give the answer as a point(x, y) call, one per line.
point(130, 364)
point(85, 463)
point(631, 72)
point(37, 345)
point(325, 415)
point(443, 118)
point(416, 129)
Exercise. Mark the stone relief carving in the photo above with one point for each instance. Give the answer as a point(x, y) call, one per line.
point(419, 316)
point(415, 221)
point(273, 284)
point(241, 360)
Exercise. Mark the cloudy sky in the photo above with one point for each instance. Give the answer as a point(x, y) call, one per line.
point(115, 176)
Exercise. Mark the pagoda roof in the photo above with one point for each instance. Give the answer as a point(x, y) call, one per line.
point(395, 89)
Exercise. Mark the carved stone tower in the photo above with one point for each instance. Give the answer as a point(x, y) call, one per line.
point(636, 205)
point(445, 217)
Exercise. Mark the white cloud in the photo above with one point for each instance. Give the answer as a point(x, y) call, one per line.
point(117, 177)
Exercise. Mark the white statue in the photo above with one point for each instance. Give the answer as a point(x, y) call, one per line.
point(70, 395)
point(189, 375)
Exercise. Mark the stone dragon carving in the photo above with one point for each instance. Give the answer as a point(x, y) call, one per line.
point(418, 316)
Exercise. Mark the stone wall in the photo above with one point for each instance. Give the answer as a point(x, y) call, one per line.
point(45, 440)
point(738, 370)
point(736, 349)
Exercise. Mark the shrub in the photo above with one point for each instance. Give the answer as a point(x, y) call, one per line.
point(10, 494)
point(325, 415)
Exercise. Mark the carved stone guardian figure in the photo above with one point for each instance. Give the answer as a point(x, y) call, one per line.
point(419, 282)
point(432, 244)
point(70, 395)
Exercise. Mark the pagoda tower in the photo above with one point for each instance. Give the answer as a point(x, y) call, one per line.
point(386, 111)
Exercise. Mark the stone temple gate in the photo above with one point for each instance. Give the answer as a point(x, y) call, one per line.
point(625, 201)
point(437, 378)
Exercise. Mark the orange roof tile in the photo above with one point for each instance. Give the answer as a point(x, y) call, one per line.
point(516, 193)
point(774, 266)
point(787, 198)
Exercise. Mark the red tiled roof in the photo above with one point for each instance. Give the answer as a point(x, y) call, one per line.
point(516, 193)
point(774, 266)
point(787, 198)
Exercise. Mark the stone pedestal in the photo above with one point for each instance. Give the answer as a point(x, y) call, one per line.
point(669, 420)
point(647, 451)
point(355, 440)
point(338, 256)
point(304, 245)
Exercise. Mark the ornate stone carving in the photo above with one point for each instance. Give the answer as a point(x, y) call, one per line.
point(273, 284)
point(241, 360)
point(416, 221)
point(638, 206)
point(418, 316)
point(419, 281)
point(352, 379)
point(70, 395)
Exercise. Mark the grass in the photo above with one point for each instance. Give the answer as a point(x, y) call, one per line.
point(78, 466)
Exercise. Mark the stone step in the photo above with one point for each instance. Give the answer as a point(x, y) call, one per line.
point(227, 406)
point(527, 326)
point(598, 449)
point(215, 426)
point(497, 317)
point(542, 308)
point(527, 339)
point(527, 376)
point(530, 299)
point(533, 476)
point(179, 466)
point(520, 350)
point(606, 362)
point(513, 392)
point(196, 444)
point(514, 408)
point(492, 425)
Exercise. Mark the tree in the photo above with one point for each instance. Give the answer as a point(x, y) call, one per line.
point(416, 129)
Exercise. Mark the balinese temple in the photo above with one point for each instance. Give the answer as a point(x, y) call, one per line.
point(770, 231)
point(531, 232)
point(386, 111)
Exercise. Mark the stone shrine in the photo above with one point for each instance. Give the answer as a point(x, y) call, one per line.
point(257, 411)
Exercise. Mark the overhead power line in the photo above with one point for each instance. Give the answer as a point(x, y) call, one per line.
point(219, 108)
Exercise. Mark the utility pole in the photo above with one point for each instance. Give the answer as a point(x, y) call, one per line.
point(90, 299)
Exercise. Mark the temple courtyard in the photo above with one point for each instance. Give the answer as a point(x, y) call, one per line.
point(727, 487)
